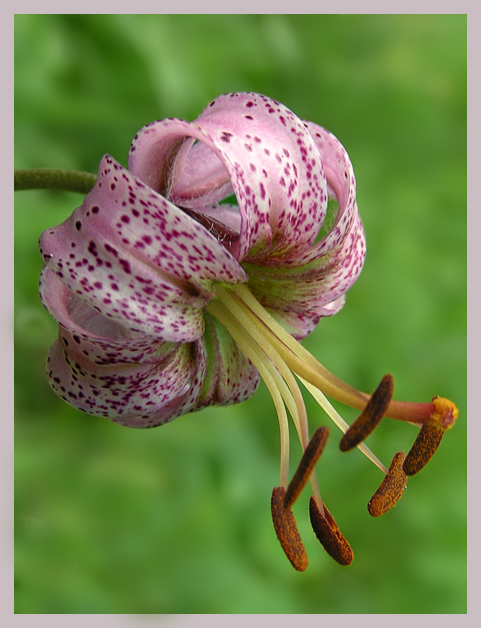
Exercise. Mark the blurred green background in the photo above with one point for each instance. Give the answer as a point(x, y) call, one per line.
point(177, 519)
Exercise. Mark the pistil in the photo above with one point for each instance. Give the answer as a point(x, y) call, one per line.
point(314, 372)
point(430, 435)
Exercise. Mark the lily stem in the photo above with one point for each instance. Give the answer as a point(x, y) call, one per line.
point(54, 179)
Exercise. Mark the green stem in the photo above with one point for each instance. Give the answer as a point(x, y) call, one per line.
point(54, 179)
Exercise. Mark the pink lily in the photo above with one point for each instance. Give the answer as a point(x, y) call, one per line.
point(168, 301)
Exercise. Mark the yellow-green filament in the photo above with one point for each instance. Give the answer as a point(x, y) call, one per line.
point(288, 354)
point(329, 383)
point(268, 373)
point(310, 369)
point(239, 322)
point(250, 323)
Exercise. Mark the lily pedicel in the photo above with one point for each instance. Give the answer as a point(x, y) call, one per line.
point(169, 301)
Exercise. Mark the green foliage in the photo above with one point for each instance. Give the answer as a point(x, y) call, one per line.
point(177, 519)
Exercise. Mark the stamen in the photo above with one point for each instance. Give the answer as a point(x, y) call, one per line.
point(277, 355)
point(329, 535)
point(391, 489)
point(308, 461)
point(256, 329)
point(248, 324)
point(286, 530)
point(370, 416)
point(288, 354)
point(430, 435)
point(308, 368)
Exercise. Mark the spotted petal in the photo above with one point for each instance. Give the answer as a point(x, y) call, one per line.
point(138, 259)
point(263, 150)
point(341, 185)
point(103, 369)
point(304, 289)
point(299, 297)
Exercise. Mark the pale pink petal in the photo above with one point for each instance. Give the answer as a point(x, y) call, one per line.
point(103, 369)
point(88, 324)
point(199, 177)
point(268, 155)
point(137, 394)
point(341, 186)
point(300, 297)
point(300, 325)
point(228, 215)
point(129, 273)
point(106, 370)
point(138, 259)
point(222, 221)
point(305, 289)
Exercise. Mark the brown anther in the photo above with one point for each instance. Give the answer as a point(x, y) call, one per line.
point(370, 416)
point(391, 489)
point(329, 535)
point(430, 435)
point(286, 530)
point(308, 461)
point(423, 449)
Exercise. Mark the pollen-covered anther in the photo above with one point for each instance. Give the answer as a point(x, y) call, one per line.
point(329, 534)
point(391, 489)
point(370, 416)
point(430, 435)
point(306, 466)
point(286, 530)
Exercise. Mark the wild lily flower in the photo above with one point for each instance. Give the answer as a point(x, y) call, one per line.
point(169, 301)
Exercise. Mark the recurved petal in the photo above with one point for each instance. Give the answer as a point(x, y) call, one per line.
point(341, 186)
point(103, 369)
point(136, 394)
point(112, 343)
point(263, 149)
point(299, 297)
point(137, 258)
